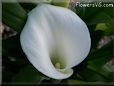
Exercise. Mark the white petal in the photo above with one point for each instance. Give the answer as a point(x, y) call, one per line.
point(50, 28)
point(34, 45)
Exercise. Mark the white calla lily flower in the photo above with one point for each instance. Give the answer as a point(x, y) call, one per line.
point(54, 40)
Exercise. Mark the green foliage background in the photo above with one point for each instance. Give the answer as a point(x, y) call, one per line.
point(95, 68)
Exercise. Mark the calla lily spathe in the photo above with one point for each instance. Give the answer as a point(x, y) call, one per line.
point(54, 40)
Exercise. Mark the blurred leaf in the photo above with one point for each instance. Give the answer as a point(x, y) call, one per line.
point(53, 81)
point(95, 38)
point(6, 76)
point(100, 18)
point(106, 72)
point(61, 3)
point(11, 67)
point(107, 28)
point(96, 69)
point(28, 6)
point(29, 75)
point(95, 15)
point(11, 47)
point(80, 11)
point(75, 82)
point(101, 56)
point(14, 16)
point(92, 75)
point(91, 12)
point(13, 57)
point(98, 15)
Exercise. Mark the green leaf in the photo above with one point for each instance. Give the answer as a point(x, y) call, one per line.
point(29, 75)
point(75, 82)
point(92, 75)
point(80, 11)
point(53, 81)
point(28, 6)
point(11, 47)
point(106, 72)
point(107, 28)
point(101, 56)
point(14, 16)
point(91, 12)
point(6, 75)
point(97, 15)
point(95, 38)
point(61, 3)
point(95, 65)
point(100, 18)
